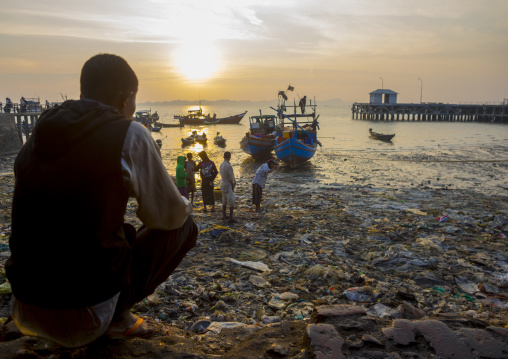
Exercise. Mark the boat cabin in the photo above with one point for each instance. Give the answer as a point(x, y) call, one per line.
point(262, 126)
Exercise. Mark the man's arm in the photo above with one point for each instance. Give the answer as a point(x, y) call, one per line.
point(160, 204)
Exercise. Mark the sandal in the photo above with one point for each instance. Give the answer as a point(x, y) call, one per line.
point(134, 327)
point(131, 332)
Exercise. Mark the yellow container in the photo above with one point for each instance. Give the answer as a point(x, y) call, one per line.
point(285, 134)
point(217, 194)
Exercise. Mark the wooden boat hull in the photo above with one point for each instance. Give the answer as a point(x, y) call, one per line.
point(380, 136)
point(221, 142)
point(294, 152)
point(235, 119)
point(256, 146)
point(188, 142)
point(161, 124)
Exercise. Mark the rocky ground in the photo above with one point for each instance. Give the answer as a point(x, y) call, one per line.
point(328, 271)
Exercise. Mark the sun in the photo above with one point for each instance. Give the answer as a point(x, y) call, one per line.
point(197, 61)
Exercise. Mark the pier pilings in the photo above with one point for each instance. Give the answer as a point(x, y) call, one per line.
point(430, 112)
point(15, 128)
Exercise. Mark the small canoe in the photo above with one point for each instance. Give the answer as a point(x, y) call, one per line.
point(380, 136)
point(188, 141)
point(201, 139)
point(219, 141)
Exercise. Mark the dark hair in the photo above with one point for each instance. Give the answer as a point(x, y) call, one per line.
point(203, 155)
point(189, 155)
point(107, 78)
point(271, 163)
point(227, 155)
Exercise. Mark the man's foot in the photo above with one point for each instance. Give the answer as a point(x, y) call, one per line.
point(131, 326)
point(204, 210)
point(213, 209)
point(225, 217)
point(232, 220)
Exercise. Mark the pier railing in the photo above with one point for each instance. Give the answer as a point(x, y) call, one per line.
point(431, 112)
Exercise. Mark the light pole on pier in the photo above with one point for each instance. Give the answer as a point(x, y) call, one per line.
point(421, 88)
point(382, 87)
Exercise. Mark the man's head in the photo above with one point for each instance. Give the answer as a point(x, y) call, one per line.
point(271, 163)
point(203, 155)
point(189, 156)
point(109, 79)
point(227, 155)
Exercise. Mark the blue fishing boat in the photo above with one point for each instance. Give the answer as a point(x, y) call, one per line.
point(260, 139)
point(296, 140)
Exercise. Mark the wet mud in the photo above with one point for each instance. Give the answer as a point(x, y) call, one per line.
point(351, 247)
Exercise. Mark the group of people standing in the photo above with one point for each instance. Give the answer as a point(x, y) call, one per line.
point(186, 182)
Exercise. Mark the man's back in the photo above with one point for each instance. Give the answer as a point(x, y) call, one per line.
point(69, 183)
point(227, 173)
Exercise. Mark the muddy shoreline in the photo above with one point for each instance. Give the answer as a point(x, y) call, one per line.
point(427, 241)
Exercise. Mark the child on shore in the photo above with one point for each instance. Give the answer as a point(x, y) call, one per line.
point(190, 168)
point(181, 176)
point(208, 172)
point(260, 180)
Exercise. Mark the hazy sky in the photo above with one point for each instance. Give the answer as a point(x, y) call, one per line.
point(251, 49)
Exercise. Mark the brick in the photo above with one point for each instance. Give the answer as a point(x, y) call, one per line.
point(444, 341)
point(325, 341)
point(483, 343)
point(401, 332)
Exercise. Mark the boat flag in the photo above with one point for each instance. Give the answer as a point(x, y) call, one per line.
point(290, 88)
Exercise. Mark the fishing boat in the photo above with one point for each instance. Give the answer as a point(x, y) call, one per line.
point(196, 117)
point(296, 140)
point(201, 138)
point(219, 140)
point(260, 139)
point(145, 118)
point(194, 138)
point(188, 141)
point(156, 129)
point(30, 104)
point(162, 124)
point(380, 136)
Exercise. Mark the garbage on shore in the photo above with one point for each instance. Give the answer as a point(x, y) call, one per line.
point(397, 252)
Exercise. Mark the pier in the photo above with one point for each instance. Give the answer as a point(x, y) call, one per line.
point(383, 106)
point(430, 112)
point(15, 128)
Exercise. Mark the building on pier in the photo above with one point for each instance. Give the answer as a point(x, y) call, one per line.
point(383, 106)
point(383, 96)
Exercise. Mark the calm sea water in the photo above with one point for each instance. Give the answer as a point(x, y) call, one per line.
point(457, 154)
point(339, 132)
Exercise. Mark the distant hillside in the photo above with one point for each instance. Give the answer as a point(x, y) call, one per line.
point(332, 102)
